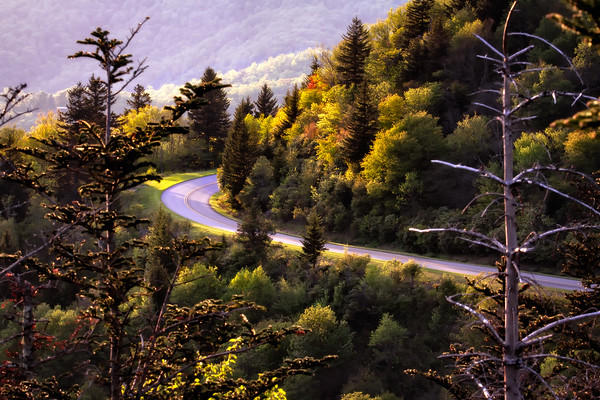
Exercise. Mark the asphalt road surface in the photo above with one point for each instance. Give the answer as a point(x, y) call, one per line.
point(190, 199)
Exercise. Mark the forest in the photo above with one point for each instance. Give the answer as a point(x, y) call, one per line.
point(458, 129)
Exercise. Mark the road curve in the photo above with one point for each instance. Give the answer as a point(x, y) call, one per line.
point(190, 199)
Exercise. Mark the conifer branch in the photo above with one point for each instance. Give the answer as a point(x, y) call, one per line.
point(12, 97)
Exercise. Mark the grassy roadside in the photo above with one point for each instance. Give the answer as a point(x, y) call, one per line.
point(146, 200)
point(148, 194)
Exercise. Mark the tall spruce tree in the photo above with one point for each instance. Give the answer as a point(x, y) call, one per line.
point(139, 98)
point(210, 124)
point(240, 154)
point(417, 21)
point(291, 110)
point(266, 103)
point(313, 241)
point(362, 126)
point(352, 53)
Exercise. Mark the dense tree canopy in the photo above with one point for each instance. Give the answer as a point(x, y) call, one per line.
point(85, 283)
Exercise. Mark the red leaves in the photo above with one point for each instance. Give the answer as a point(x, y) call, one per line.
point(315, 83)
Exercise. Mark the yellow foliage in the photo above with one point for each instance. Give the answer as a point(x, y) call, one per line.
point(45, 126)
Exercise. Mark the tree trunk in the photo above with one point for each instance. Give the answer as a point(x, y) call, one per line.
point(511, 299)
point(114, 362)
point(28, 328)
point(110, 235)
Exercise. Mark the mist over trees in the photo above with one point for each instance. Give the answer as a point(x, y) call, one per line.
point(150, 311)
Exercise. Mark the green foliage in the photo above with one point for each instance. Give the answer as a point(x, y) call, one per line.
point(417, 20)
point(197, 283)
point(328, 127)
point(472, 141)
point(421, 70)
point(86, 103)
point(387, 340)
point(291, 297)
point(581, 148)
point(259, 185)
point(358, 396)
point(586, 59)
point(288, 114)
point(391, 110)
point(408, 146)
point(291, 196)
point(136, 352)
point(541, 148)
point(584, 21)
point(332, 198)
point(327, 335)
point(424, 98)
point(254, 286)
point(254, 231)
point(547, 109)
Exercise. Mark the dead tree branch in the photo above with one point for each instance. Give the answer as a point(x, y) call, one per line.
point(11, 98)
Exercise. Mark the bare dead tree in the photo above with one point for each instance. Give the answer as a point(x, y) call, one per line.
point(484, 369)
point(11, 98)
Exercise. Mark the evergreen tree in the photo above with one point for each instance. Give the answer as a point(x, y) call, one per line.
point(414, 60)
point(353, 52)
point(139, 98)
point(160, 264)
point(417, 20)
point(362, 126)
point(276, 150)
point(97, 100)
point(210, 124)
point(291, 110)
point(313, 240)
point(315, 64)
point(266, 104)
point(85, 103)
point(254, 232)
point(239, 156)
point(436, 42)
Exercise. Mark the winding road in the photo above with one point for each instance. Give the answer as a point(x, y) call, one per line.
point(190, 199)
